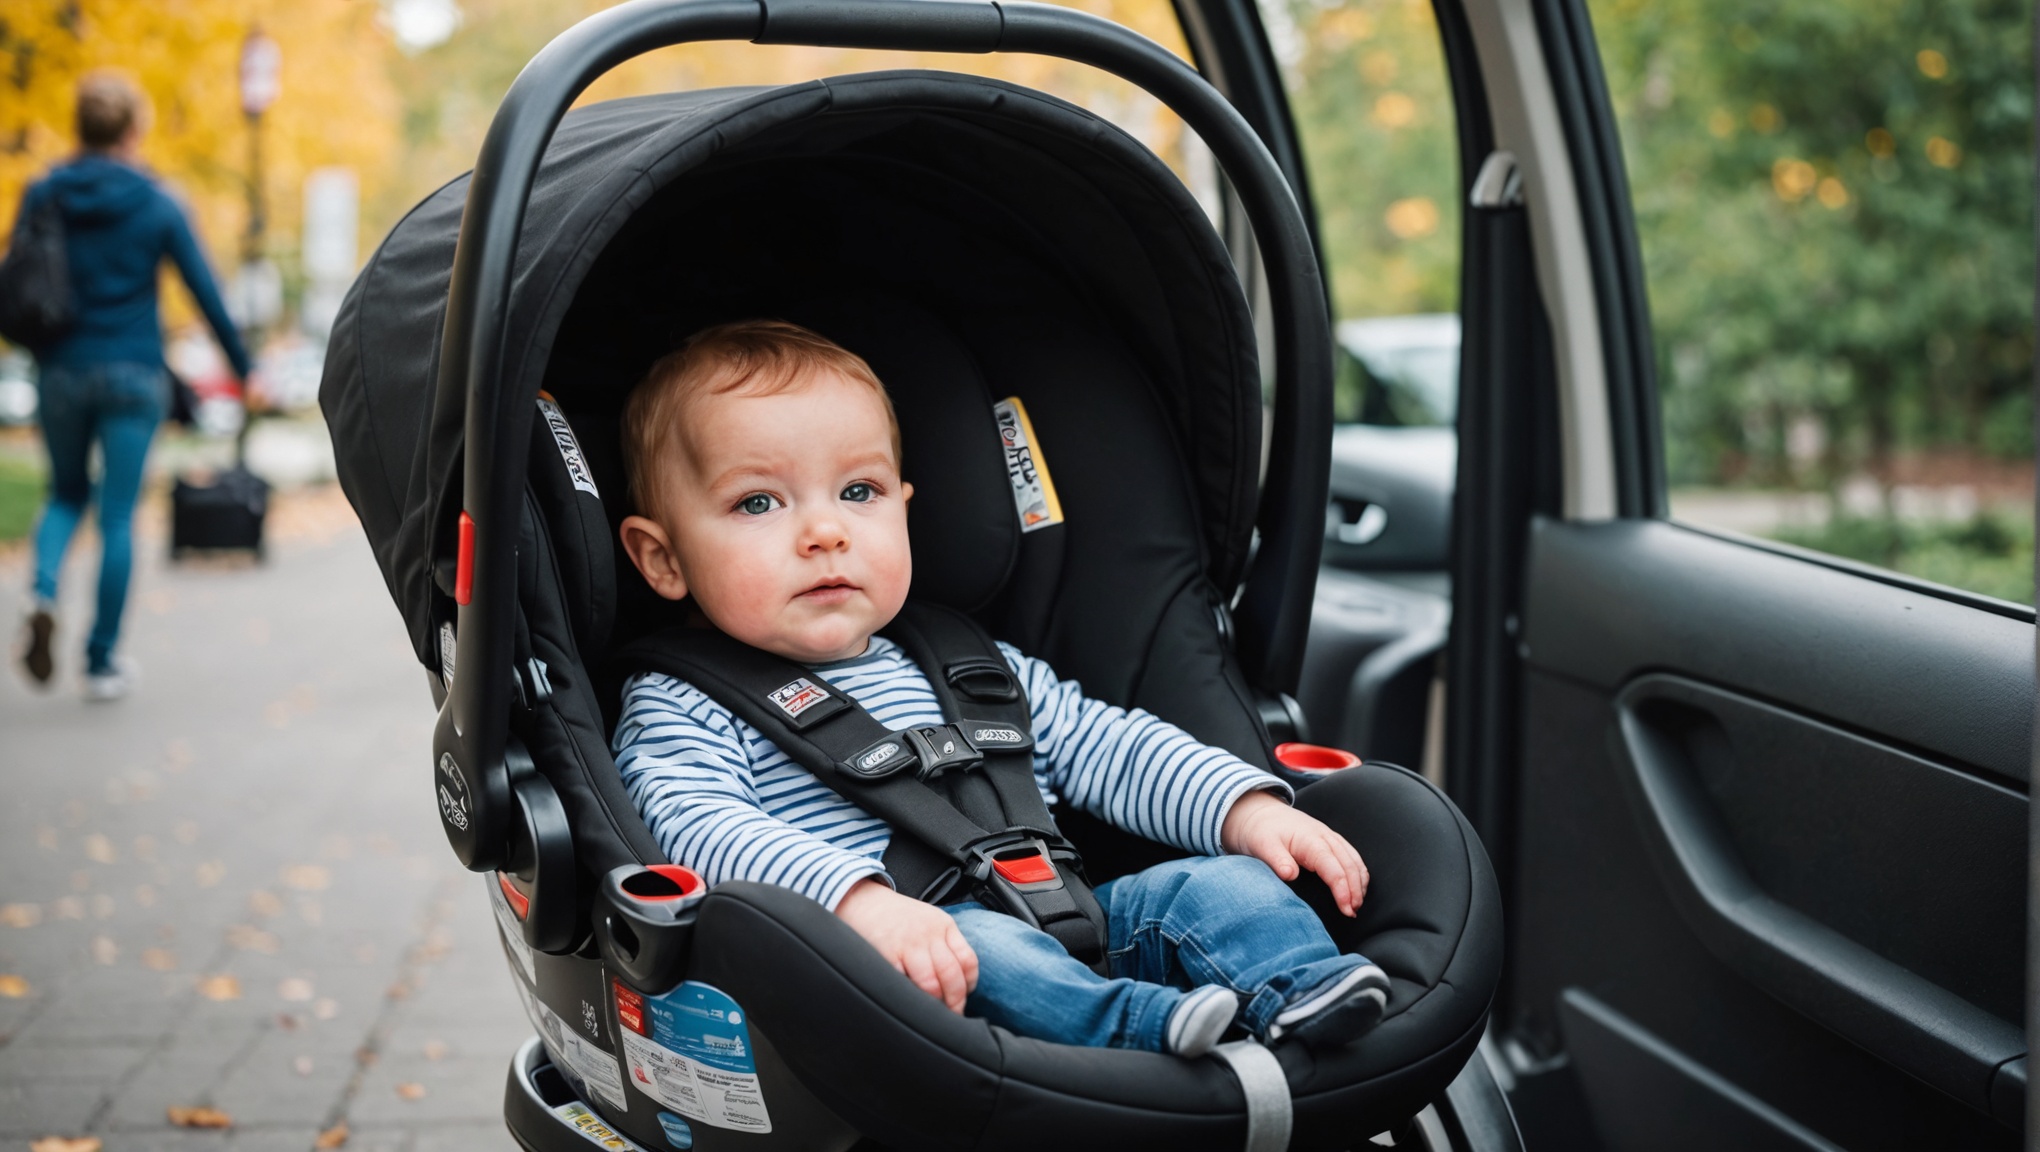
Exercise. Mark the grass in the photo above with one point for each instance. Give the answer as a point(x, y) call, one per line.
point(21, 496)
point(1991, 553)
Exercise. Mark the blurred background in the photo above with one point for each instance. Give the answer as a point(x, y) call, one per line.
point(1835, 206)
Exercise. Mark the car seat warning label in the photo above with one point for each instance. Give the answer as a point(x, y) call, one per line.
point(570, 448)
point(590, 1125)
point(583, 1062)
point(1033, 491)
point(691, 1051)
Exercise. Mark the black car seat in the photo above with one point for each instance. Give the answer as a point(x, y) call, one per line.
point(973, 240)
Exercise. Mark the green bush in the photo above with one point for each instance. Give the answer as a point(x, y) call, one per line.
point(1991, 553)
point(21, 496)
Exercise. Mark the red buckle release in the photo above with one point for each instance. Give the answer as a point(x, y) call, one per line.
point(519, 902)
point(1314, 757)
point(464, 568)
point(1034, 869)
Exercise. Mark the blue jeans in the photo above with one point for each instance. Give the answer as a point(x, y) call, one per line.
point(118, 405)
point(1207, 920)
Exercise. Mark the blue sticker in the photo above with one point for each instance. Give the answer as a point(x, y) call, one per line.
point(678, 1134)
point(690, 1050)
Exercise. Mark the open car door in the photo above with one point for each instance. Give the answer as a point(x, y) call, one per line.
point(1760, 812)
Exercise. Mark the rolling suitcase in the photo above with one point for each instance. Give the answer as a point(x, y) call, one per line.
point(224, 514)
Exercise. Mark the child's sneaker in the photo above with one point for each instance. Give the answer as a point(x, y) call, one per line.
point(1338, 1011)
point(38, 633)
point(1200, 1019)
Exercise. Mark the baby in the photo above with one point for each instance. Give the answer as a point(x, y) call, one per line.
point(766, 462)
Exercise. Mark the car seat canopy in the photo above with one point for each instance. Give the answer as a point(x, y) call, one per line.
point(973, 239)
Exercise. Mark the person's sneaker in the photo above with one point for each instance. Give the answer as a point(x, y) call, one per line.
point(112, 683)
point(39, 630)
point(1339, 1011)
point(1200, 1019)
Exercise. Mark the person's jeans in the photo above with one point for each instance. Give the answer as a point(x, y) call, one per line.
point(1207, 920)
point(118, 405)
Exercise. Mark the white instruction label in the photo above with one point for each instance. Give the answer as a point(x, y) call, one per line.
point(592, 1126)
point(570, 448)
point(581, 1061)
point(690, 1050)
point(1033, 490)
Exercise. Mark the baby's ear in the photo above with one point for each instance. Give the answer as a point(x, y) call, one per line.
point(652, 551)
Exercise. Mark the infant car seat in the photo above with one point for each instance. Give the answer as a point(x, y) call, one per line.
point(974, 241)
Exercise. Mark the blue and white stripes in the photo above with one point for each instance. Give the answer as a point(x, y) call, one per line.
point(726, 802)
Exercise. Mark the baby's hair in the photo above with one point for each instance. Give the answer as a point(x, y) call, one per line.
point(755, 357)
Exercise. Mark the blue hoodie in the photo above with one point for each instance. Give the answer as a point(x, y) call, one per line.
point(118, 226)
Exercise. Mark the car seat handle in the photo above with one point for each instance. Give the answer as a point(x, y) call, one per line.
point(495, 412)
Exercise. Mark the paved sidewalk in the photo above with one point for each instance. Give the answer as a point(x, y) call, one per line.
point(230, 891)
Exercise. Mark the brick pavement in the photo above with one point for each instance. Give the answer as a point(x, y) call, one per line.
point(230, 890)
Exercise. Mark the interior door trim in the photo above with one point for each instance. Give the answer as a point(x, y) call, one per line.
point(1523, 108)
point(1896, 1015)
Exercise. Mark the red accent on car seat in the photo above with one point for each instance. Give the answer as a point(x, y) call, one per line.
point(630, 1009)
point(1034, 869)
point(1314, 757)
point(464, 570)
point(659, 882)
point(519, 902)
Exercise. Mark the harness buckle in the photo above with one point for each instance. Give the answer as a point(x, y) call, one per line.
point(942, 749)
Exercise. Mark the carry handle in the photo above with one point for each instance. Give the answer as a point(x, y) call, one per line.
point(1274, 606)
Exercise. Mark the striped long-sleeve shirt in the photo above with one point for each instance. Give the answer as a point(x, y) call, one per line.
point(725, 801)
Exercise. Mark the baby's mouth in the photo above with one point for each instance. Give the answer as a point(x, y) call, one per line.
point(829, 592)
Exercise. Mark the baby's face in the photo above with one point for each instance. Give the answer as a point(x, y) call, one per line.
point(787, 521)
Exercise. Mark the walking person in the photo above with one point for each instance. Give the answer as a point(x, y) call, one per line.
point(103, 380)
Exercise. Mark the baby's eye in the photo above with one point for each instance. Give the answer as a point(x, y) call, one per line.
point(757, 504)
point(859, 492)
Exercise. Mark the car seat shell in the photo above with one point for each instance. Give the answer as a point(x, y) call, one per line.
point(1137, 328)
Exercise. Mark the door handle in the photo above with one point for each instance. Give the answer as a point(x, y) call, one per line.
point(1895, 1014)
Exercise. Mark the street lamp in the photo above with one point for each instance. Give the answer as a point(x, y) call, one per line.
point(259, 287)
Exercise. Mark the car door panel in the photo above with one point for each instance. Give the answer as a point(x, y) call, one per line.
point(1773, 819)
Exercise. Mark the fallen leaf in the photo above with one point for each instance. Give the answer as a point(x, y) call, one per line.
point(100, 850)
point(22, 916)
point(411, 1090)
point(326, 1008)
point(334, 1137)
point(159, 959)
point(435, 1049)
point(69, 908)
point(186, 832)
point(13, 987)
point(102, 906)
point(200, 1117)
point(66, 1144)
point(264, 902)
point(105, 950)
point(307, 877)
point(145, 895)
point(220, 988)
point(145, 847)
point(211, 872)
point(399, 991)
point(46, 837)
point(296, 989)
point(249, 938)
point(81, 880)
point(302, 1065)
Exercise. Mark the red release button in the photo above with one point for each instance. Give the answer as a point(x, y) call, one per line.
point(519, 902)
point(464, 562)
point(1033, 869)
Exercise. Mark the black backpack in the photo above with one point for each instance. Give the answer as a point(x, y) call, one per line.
point(35, 280)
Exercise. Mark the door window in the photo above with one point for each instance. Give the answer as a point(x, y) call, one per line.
point(1372, 105)
point(1835, 207)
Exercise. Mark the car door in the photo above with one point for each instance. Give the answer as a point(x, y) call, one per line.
point(1760, 810)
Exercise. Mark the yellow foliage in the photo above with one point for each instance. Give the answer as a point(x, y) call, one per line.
point(338, 105)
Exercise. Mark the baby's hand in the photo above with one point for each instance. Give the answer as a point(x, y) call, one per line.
point(918, 939)
point(1262, 826)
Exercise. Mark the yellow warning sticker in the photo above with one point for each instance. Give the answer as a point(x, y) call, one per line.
point(1033, 489)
